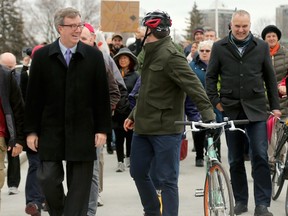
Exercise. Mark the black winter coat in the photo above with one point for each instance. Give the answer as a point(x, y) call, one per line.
point(13, 107)
point(243, 80)
point(67, 106)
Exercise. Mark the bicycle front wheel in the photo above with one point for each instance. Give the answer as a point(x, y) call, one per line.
point(218, 195)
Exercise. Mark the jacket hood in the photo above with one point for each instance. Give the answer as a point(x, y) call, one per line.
point(126, 51)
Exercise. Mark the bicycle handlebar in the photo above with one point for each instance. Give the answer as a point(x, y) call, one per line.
point(214, 125)
point(282, 121)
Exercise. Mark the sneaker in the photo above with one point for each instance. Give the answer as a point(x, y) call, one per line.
point(199, 163)
point(261, 210)
point(32, 209)
point(127, 162)
point(100, 201)
point(240, 208)
point(13, 190)
point(120, 167)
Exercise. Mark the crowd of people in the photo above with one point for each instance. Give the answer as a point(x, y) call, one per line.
point(82, 92)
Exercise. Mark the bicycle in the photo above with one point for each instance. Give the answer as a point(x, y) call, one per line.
point(218, 194)
point(279, 167)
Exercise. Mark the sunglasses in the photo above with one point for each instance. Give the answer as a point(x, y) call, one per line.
point(207, 51)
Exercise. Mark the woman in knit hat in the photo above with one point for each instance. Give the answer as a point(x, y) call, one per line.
point(279, 55)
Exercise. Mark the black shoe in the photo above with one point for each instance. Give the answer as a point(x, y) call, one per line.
point(113, 146)
point(246, 157)
point(199, 162)
point(240, 208)
point(109, 150)
point(261, 210)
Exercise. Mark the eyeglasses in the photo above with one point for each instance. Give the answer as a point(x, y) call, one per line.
point(74, 26)
point(207, 51)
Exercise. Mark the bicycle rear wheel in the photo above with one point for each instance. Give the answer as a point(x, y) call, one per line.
point(218, 195)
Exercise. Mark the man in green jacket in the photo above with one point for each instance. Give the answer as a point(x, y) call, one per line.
point(165, 78)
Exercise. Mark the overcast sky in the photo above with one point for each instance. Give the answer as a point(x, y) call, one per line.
point(179, 9)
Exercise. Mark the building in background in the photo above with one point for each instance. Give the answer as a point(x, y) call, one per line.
point(282, 22)
point(221, 24)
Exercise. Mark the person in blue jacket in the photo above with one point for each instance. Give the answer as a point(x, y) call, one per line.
point(199, 66)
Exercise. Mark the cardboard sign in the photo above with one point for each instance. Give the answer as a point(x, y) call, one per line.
point(119, 16)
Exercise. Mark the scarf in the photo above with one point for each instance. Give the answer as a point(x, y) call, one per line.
point(274, 50)
point(240, 45)
point(124, 72)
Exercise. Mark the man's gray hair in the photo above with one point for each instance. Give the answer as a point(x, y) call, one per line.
point(241, 13)
point(62, 13)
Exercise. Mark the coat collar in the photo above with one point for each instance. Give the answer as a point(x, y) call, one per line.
point(55, 50)
point(251, 46)
point(150, 47)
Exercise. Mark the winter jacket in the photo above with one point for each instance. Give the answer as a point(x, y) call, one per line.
point(13, 107)
point(280, 63)
point(165, 78)
point(67, 106)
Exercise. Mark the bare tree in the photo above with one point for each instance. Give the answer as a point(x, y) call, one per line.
point(11, 28)
point(40, 20)
point(40, 16)
point(260, 24)
point(90, 10)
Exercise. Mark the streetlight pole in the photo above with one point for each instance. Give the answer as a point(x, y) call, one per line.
point(216, 18)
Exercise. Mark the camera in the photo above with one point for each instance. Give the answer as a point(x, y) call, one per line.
point(26, 51)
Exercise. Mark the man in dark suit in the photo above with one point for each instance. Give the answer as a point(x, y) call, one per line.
point(244, 66)
point(67, 114)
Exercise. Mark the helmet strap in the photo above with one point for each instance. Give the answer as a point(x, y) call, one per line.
point(145, 36)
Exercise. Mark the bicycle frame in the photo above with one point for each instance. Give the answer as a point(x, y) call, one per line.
point(218, 195)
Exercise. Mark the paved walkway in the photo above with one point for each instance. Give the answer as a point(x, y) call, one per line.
point(121, 198)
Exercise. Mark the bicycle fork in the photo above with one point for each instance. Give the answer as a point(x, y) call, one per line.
point(216, 190)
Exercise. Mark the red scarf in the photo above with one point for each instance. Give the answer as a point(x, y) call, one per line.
point(274, 50)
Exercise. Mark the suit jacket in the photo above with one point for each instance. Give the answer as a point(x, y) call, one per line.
point(66, 106)
point(244, 80)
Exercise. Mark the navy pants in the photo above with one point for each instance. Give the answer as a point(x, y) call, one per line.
point(257, 134)
point(33, 191)
point(164, 151)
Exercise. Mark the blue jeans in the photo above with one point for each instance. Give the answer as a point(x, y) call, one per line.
point(33, 191)
point(164, 150)
point(257, 134)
